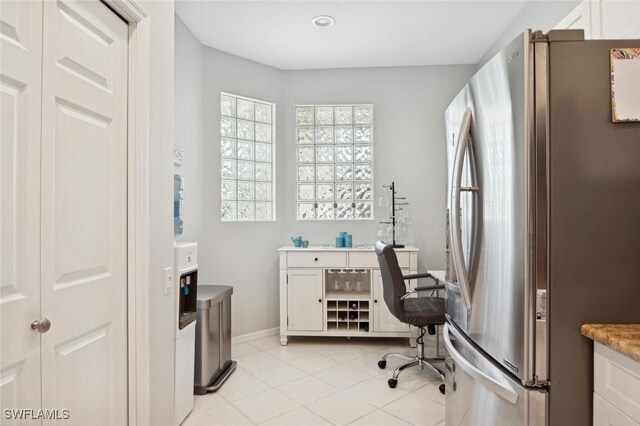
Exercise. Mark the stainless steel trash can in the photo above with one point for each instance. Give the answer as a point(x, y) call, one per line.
point(213, 338)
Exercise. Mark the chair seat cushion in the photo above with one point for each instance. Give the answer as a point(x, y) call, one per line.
point(421, 311)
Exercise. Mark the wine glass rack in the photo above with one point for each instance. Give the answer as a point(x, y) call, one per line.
point(397, 204)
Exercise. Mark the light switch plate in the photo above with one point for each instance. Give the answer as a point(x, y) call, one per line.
point(168, 280)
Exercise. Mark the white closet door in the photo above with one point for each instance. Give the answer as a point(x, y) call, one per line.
point(84, 212)
point(20, 94)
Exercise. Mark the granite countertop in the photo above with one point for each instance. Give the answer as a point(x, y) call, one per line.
point(623, 338)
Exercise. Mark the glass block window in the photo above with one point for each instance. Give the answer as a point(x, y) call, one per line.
point(247, 148)
point(334, 162)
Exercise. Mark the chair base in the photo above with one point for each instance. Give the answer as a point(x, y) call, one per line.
point(418, 360)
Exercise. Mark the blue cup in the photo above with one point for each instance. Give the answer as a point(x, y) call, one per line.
point(348, 240)
point(297, 241)
point(340, 242)
point(343, 233)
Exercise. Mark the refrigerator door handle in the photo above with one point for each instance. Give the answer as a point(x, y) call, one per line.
point(501, 389)
point(462, 272)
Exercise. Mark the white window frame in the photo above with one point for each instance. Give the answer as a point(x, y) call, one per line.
point(273, 160)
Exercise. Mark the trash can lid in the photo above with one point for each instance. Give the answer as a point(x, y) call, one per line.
point(209, 295)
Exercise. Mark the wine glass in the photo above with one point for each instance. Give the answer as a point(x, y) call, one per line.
point(346, 281)
point(390, 230)
point(336, 281)
point(401, 225)
point(358, 282)
point(384, 202)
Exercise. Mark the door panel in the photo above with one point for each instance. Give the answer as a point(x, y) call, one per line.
point(304, 300)
point(383, 319)
point(20, 106)
point(84, 211)
point(82, 249)
point(83, 49)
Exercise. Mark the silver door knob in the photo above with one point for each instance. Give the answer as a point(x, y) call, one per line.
point(42, 325)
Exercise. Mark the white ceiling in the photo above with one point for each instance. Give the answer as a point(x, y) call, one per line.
point(365, 34)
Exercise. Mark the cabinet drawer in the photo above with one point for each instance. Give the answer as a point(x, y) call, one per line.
point(317, 259)
point(605, 414)
point(617, 379)
point(366, 259)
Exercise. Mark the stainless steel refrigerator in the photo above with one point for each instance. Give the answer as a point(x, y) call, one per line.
point(543, 218)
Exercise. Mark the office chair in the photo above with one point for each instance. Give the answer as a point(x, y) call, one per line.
point(421, 312)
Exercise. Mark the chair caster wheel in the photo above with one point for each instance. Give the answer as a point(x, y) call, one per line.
point(382, 364)
point(441, 388)
point(392, 383)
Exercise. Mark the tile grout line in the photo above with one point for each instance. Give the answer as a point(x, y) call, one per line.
point(410, 393)
point(322, 350)
point(379, 409)
point(258, 393)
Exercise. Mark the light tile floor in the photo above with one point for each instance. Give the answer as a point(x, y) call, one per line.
point(321, 381)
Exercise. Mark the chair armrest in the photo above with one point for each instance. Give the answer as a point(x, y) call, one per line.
point(418, 276)
point(422, 288)
point(429, 287)
point(425, 275)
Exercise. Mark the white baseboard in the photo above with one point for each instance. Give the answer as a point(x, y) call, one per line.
point(243, 338)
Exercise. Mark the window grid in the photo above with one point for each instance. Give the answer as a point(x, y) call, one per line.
point(247, 148)
point(334, 162)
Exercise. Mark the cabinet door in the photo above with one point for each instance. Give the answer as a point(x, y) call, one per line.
point(620, 19)
point(383, 320)
point(604, 19)
point(304, 300)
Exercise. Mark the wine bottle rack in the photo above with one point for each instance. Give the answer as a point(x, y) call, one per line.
point(348, 315)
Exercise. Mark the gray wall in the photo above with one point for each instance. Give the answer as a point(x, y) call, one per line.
point(241, 254)
point(409, 105)
point(537, 15)
point(161, 113)
point(189, 126)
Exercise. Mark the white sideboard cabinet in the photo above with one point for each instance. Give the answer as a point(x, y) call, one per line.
point(327, 291)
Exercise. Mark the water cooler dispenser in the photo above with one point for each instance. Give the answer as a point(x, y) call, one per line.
point(186, 305)
point(178, 198)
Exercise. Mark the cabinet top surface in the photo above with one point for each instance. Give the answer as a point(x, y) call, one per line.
point(623, 338)
point(363, 248)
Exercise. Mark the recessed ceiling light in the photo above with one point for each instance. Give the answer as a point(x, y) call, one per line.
point(323, 21)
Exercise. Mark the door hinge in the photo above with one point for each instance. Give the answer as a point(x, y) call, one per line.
point(287, 278)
